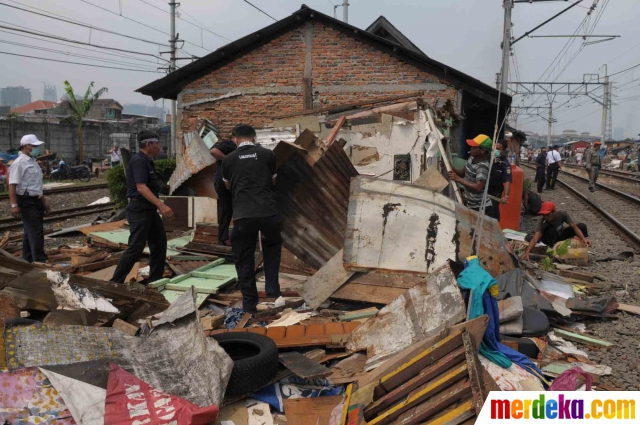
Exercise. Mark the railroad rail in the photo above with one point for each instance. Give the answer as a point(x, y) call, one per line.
point(12, 223)
point(623, 175)
point(65, 189)
point(621, 208)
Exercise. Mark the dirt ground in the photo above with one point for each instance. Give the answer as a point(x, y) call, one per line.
point(624, 283)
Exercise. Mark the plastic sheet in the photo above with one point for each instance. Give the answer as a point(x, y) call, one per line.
point(568, 381)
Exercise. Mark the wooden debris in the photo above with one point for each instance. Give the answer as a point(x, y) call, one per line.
point(326, 281)
point(310, 411)
point(104, 227)
point(432, 180)
point(125, 327)
point(633, 309)
point(587, 277)
point(212, 322)
point(302, 366)
point(583, 339)
point(359, 314)
point(243, 322)
point(335, 130)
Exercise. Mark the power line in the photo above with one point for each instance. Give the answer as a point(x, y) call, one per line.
point(256, 7)
point(189, 22)
point(143, 24)
point(625, 70)
point(77, 63)
point(42, 34)
point(81, 48)
point(79, 23)
point(45, 49)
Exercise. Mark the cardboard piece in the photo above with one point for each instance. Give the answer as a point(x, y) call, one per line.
point(432, 180)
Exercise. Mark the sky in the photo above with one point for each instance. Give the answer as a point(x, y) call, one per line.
point(463, 34)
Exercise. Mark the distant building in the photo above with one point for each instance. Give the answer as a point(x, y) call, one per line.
point(50, 93)
point(38, 107)
point(102, 109)
point(15, 96)
point(4, 110)
point(618, 133)
point(144, 110)
point(145, 120)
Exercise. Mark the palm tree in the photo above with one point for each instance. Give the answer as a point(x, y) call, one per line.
point(80, 109)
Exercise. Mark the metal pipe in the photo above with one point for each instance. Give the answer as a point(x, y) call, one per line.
point(345, 11)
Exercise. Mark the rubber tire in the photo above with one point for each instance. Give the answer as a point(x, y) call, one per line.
point(84, 175)
point(251, 373)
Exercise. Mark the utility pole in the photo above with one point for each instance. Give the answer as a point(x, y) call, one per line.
point(506, 46)
point(345, 11)
point(605, 105)
point(550, 122)
point(172, 67)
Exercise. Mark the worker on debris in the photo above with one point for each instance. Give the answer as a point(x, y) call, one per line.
point(554, 164)
point(225, 207)
point(501, 178)
point(551, 228)
point(532, 201)
point(145, 225)
point(541, 169)
point(593, 163)
point(475, 174)
point(27, 199)
point(249, 173)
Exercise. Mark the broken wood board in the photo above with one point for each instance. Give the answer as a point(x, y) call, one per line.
point(365, 293)
point(432, 180)
point(310, 411)
point(331, 276)
point(104, 227)
point(359, 314)
point(104, 274)
point(583, 339)
point(212, 322)
point(633, 309)
point(347, 370)
point(422, 311)
point(394, 226)
point(586, 277)
point(302, 366)
point(133, 274)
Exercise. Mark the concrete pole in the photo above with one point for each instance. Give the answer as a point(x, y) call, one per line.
point(172, 67)
point(550, 123)
point(345, 11)
point(605, 106)
point(506, 45)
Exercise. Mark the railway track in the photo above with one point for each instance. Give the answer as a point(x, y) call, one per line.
point(620, 209)
point(67, 189)
point(623, 175)
point(12, 223)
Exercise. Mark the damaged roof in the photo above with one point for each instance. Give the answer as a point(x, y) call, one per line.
point(382, 27)
point(168, 87)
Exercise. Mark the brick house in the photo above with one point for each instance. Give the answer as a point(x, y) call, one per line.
point(310, 61)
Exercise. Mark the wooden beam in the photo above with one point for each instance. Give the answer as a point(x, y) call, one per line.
point(335, 130)
point(445, 157)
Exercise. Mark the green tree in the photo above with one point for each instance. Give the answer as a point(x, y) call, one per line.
point(80, 109)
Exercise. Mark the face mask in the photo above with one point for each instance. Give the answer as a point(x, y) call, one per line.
point(498, 153)
point(35, 152)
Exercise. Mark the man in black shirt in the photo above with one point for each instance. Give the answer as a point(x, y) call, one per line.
point(541, 169)
point(225, 208)
point(145, 225)
point(500, 180)
point(250, 173)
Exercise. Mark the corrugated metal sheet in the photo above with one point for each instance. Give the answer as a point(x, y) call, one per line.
point(313, 200)
point(195, 159)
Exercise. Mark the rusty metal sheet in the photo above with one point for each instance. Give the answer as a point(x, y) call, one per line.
point(400, 227)
point(313, 198)
point(195, 167)
point(422, 311)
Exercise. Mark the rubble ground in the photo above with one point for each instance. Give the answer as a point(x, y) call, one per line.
point(624, 357)
point(63, 200)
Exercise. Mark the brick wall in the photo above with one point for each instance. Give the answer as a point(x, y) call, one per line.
point(342, 70)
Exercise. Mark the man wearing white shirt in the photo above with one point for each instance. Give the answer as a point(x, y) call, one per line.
point(554, 164)
point(27, 200)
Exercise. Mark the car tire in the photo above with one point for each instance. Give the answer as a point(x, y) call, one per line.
point(255, 360)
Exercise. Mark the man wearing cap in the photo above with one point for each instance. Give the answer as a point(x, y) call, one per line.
point(475, 174)
point(554, 164)
point(27, 200)
point(145, 225)
point(593, 163)
point(551, 229)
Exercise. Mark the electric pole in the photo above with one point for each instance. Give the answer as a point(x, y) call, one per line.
point(550, 122)
point(506, 46)
point(606, 104)
point(172, 67)
point(345, 11)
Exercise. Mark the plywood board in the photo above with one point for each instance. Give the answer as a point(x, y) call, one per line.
point(104, 274)
point(104, 227)
point(432, 180)
point(319, 287)
point(310, 411)
point(367, 293)
point(302, 366)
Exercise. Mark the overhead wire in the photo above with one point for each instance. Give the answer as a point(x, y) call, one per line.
point(256, 7)
point(77, 63)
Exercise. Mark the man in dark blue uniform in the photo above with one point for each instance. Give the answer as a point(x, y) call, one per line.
point(145, 225)
point(225, 208)
point(250, 173)
point(500, 180)
point(541, 169)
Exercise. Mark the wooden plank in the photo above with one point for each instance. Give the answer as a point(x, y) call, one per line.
point(587, 277)
point(133, 274)
point(367, 294)
point(310, 411)
point(125, 327)
point(104, 274)
point(419, 395)
point(633, 309)
point(475, 372)
point(445, 157)
point(331, 276)
point(459, 415)
point(212, 322)
point(243, 322)
point(104, 227)
point(100, 264)
point(335, 130)
point(583, 339)
point(388, 280)
point(359, 314)
point(302, 366)
point(435, 405)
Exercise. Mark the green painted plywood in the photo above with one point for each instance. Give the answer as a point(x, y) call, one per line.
point(172, 295)
point(120, 237)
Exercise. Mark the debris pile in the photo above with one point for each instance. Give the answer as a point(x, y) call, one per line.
point(386, 316)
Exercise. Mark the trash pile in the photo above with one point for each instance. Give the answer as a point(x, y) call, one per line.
point(386, 316)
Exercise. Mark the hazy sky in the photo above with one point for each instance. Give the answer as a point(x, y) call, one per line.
point(464, 34)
